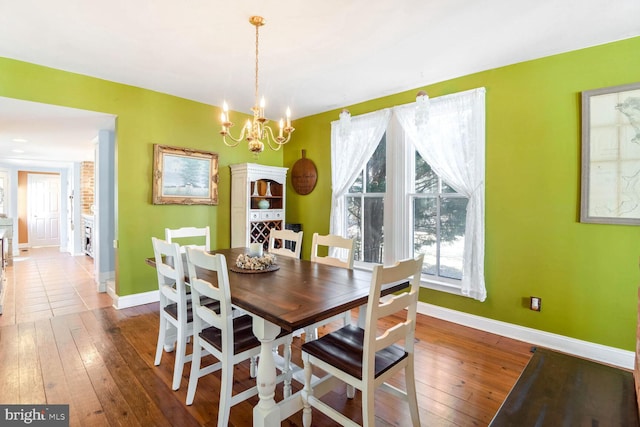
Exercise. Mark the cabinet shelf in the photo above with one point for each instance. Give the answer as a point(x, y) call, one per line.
point(251, 184)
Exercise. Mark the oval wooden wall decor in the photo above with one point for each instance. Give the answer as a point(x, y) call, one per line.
point(304, 175)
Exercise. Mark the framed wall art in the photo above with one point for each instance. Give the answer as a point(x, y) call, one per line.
point(610, 187)
point(183, 176)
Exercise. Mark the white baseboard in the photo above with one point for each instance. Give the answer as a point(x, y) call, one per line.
point(585, 349)
point(111, 290)
point(103, 280)
point(132, 300)
point(588, 350)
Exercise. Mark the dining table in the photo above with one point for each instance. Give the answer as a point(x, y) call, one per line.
point(292, 295)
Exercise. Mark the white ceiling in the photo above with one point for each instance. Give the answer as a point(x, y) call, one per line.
point(314, 57)
point(39, 134)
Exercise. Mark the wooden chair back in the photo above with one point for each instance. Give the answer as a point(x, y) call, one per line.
point(368, 358)
point(283, 236)
point(174, 306)
point(218, 331)
point(219, 291)
point(340, 250)
point(171, 276)
point(190, 233)
point(403, 305)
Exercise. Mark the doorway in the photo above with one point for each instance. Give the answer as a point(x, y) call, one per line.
point(70, 140)
point(43, 209)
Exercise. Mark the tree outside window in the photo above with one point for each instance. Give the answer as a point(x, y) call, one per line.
point(365, 208)
point(439, 215)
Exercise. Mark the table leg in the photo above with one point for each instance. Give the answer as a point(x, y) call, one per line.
point(362, 316)
point(266, 412)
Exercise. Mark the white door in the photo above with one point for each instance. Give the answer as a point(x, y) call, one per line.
point(43, 198)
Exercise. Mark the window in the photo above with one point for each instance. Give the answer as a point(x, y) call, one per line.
point(437, 220)
point(365, 208)
point(399, 191)
point(439, 214)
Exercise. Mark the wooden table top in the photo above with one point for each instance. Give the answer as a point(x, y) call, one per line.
point(298, 294)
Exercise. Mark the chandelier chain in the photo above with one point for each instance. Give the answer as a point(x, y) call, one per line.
point(257, 38)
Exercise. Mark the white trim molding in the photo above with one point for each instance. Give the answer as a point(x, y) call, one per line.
point(609, 355)
point(132, 300)
point(585, 349)
point(104, 280)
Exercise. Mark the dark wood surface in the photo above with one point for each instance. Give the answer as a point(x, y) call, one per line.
point(298, 294)
point(100, 361)
point(557, 389)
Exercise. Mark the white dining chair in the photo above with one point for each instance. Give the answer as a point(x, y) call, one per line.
point(175, 306)
point(278, 240)
point(277, 246)
point(229, 339)
point(197, 233)
point(340, 250)
point(189, 234)
point(340, 254)
point(367, 358)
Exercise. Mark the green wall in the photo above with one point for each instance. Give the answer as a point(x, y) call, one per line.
point(586, 274)
point(144, 118)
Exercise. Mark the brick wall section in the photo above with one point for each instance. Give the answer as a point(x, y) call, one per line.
point(87, 188)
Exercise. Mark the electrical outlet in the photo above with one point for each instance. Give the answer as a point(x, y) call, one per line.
point(535, 303)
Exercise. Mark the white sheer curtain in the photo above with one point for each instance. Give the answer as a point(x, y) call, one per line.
point(349, 154)
point(453, 143)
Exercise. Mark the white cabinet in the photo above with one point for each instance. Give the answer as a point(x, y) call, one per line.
point(258, 202)
point(6, 224)
point(87, 236)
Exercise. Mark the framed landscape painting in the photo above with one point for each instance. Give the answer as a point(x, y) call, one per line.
point(610, 190)
point(183, 176)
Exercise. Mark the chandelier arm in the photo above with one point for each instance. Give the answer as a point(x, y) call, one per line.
point(279, 141)
point(224, 139)
point(227, 133)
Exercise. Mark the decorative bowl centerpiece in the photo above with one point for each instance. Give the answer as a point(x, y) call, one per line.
point(246, 263)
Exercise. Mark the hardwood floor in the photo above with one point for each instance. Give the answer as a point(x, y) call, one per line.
point(100, 361)
point(44, 282)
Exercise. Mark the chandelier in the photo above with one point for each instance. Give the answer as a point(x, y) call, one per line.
point(256, 132)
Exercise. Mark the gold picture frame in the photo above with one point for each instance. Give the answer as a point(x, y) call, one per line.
point(183, 176)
